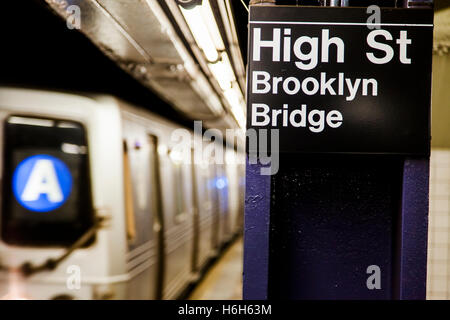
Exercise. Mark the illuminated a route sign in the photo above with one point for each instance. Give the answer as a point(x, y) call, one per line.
point(42, 183)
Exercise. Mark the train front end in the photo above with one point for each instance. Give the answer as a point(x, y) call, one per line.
point(53, 243)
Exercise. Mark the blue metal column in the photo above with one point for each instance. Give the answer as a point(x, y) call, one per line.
point(328, 239)
point(256, 233)
point(414, 231)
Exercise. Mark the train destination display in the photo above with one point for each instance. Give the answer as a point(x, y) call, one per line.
point(358, 82)
point(42, 183)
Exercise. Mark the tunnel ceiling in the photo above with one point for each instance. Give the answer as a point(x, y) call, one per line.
point(149, 39)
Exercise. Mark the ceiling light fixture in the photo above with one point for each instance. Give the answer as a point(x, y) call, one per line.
point(200, 19)
point(203, 26)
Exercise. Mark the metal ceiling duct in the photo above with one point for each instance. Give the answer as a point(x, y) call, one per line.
point(141, 36)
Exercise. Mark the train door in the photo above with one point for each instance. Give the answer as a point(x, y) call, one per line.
point(206, 227)
point(178, 233)
point(140, 214)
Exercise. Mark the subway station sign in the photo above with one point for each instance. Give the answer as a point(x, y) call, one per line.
point(341, 80)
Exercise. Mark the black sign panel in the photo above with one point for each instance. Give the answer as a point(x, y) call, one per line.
point(341, 80)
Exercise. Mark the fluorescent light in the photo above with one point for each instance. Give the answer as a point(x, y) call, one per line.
point(223, 72)
point(202, 23)
point(235, 99)
point(203, 88)
point(208, 17)
point(205, 31)
point(239, 115)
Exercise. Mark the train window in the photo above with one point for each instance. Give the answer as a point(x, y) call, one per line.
point(178, 180)
point(46, 182)
point(179, 189)
point(194, 185)
point(204, 189)
point(128, 185)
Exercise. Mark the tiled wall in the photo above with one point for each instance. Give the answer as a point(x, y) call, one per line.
point(438, 286)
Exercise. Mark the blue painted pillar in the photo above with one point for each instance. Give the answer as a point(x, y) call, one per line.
point(312, 230)
point(414, 231)
point(256, 233)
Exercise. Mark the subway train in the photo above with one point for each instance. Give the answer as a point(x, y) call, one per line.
point(98, 201)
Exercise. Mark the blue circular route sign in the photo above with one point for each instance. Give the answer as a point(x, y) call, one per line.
point(42, 183)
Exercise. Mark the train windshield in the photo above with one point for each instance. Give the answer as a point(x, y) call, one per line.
point(46, 197)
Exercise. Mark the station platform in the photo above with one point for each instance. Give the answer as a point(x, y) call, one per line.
point(224, 280)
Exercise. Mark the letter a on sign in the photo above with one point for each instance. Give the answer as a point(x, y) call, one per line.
point(42, 180)
point(42, 183)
